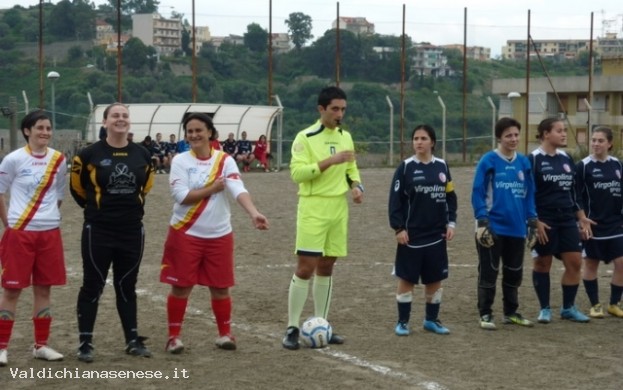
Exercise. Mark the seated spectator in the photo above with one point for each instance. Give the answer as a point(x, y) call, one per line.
point(261, 153)
point(229, 145)
point(244, 152)
point(171, 149)
point(182, 146)
point(160, 148)
point(214, 144)
point(149, 145)
point(130, 137)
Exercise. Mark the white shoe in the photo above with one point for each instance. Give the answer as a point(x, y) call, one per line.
point(3, 358)
point(226, 342)
point(175, 346)
point(46, 353)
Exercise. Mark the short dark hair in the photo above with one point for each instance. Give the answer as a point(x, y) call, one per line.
point(429, 130)
point(546, 125)
point(503, 124)
point(31, 119)
point(327, 94)
point(203, 118)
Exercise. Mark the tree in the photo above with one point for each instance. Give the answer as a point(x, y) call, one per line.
point(299, 27)
point(256, 38)
point(72, 20)
point(129, 7)
point(186, 42)
point(135, 54)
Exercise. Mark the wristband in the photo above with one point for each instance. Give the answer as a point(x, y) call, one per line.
point(360, 186)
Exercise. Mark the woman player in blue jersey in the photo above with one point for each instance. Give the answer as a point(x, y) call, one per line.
point(559, 215)
point(422, 212)
point(503, 202)
point(599, 186)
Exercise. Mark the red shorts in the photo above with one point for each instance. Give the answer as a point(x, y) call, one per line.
point(32, 257)
point(189, 260)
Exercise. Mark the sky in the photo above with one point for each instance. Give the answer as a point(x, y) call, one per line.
point(489, 22)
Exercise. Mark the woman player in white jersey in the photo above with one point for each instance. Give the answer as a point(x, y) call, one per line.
point(200, 244)
point(31, 249)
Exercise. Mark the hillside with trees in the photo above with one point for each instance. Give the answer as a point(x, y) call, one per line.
point(238, 74)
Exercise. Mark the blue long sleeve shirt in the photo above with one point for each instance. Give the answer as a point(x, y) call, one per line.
point(503, 192)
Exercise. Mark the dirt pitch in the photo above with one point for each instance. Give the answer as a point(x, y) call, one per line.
point(561, 355)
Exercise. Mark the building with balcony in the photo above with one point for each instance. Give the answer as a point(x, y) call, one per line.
point(429, 60)
point(165, 35)
point(357, 25)
point(560, 48)
point(477, 53)
point(281, 43)
point(568, 102)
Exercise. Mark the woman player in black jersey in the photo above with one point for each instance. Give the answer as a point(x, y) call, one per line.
point(599, 192)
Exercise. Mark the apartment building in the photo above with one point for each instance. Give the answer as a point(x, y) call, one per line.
point(164, 34)
point(356, 25)
point(562, 48)
point(477, 53)
point(281, 43)
point(429, 60)
point(567, 102)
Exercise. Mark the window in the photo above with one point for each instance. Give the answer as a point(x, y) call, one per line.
point(582, 107)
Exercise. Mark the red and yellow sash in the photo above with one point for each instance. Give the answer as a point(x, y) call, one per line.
point(43, 187)
point(195, 211)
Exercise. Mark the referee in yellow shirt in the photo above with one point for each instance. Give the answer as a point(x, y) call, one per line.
point(323, 164)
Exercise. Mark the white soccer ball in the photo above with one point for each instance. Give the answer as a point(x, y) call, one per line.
point(316, 332)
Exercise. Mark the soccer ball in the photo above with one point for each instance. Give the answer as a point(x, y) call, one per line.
point(316, 332)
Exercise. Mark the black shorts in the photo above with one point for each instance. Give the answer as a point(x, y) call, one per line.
point(562, 239)
point(604, 250)
point(426, 263)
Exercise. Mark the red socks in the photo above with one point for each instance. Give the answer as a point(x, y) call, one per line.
point(6, 327)
point(222, 312)
point(176, 309)
point(42, 330)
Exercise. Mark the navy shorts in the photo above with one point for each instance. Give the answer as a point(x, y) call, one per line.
point(562, 239)
point(426, 263)
point(604, 250)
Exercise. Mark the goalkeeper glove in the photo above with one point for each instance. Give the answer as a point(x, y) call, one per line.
point(532, 229)
point(484, 235)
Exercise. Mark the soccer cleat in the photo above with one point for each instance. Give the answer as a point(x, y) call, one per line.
point(85, 352)
point(596, 311)
point(291, 339)
point(517, 319)
point(4, 358)
point(226, 342)
point(336, 339)
point(402, 329)
point(545, 315)
point(174, 346)
point(137, 347)
point(573, 314)
point(486, 322)
point(615, 310)
point(435, 327)
point(44, 352)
